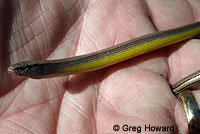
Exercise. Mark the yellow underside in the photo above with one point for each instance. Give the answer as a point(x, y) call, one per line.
point(129, 53)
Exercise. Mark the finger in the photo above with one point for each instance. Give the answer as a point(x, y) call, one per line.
point(165, 13)
point(137, 98)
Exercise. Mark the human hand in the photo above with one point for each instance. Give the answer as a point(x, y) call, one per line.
point(135, 92)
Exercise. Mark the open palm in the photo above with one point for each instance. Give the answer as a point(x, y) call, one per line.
point(135, 92)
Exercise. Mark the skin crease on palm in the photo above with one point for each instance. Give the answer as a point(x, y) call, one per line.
point(135, 92)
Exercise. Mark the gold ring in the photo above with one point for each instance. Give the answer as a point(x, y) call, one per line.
point(192, 111)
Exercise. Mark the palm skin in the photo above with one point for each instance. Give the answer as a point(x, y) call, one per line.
point(135, 92)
